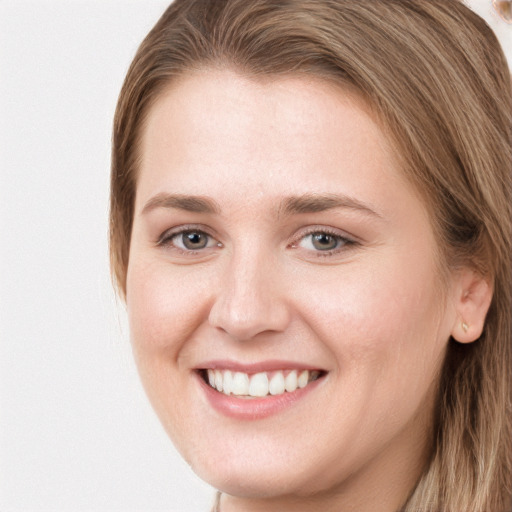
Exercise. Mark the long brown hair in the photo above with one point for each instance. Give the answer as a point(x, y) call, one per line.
point(435, 76)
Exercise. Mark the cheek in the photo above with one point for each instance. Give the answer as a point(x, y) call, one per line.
point(163, 311)
point(386, 318)
point(387, 339)
point(163, 308)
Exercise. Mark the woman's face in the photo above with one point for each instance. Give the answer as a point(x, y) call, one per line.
point(276, 245)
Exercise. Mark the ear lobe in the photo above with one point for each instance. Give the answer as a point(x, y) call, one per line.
point(473, 297)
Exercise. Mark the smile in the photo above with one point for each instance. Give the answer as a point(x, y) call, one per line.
point(259, 385)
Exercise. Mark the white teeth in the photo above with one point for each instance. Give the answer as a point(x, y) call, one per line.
point(227, 382)
point(240, 385)
point(260, 384)
point(218, 380)
point(290, 383)
point(276, 384)
point(302, 380)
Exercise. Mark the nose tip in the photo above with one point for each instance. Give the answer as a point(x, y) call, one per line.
point(249, 303)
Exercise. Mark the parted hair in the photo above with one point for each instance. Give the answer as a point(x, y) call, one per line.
point(436, 78)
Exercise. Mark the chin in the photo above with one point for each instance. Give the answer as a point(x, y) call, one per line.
point(246, 470)
point(247, 481)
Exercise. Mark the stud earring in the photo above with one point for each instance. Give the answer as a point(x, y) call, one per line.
point(465, 326)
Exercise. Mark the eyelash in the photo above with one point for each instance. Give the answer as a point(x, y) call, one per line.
point(344, 242)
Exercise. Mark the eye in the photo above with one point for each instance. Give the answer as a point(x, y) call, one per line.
point(324, 242)
point(188, 240)
point(191, 240)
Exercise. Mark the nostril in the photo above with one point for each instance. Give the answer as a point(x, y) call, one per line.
point(243, 317)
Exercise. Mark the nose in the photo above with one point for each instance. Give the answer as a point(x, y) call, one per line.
point(251, 298)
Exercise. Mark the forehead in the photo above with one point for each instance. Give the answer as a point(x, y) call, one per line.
point(196, 95)
point(219, 122)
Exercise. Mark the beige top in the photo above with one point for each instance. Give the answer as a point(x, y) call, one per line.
point(216, 505)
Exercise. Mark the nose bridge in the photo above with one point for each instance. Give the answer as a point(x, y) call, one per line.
point(249, 300)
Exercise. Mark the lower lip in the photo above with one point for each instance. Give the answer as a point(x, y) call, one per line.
point(254, 408)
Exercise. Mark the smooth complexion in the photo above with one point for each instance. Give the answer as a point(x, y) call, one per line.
point(273, 229)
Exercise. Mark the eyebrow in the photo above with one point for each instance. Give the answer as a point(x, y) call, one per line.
point(195, 204)
point(306, 203)
point(314, 203)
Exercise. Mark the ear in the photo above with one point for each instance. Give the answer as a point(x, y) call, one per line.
point(473, 295)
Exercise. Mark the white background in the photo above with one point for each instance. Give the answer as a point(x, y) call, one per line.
point(76, 431)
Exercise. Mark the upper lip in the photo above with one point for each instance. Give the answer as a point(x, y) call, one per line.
point(256, 367)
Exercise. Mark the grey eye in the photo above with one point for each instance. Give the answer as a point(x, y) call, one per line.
point(192, 240)
point(324, 241)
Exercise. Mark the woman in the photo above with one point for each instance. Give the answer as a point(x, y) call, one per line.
point(311, 225)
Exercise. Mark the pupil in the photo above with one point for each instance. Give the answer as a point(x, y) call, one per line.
point(194, 240)
point(324, 242)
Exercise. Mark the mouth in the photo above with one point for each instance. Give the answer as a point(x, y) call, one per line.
point(261, 384)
